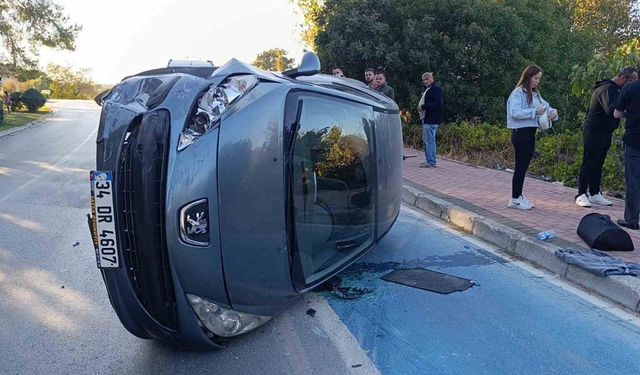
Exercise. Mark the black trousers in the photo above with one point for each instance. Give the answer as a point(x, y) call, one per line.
point(524, 142)
point(596, 146)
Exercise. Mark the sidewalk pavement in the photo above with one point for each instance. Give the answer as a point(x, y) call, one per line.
point(475, 200)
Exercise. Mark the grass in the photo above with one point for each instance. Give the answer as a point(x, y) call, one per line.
point(19, 118)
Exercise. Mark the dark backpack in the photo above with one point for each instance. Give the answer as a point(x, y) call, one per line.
point(599, 232)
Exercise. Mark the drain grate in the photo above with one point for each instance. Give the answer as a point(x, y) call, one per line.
point(429, 280)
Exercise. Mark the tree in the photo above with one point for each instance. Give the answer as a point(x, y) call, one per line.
point(609, 22)
point(274, 59)
point(26, 25)
point(477, 56)
point(603, 66)
point(66, 83)
point(312, 12)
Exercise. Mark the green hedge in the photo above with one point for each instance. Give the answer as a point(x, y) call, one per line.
point(33, 99)
point(558, 153)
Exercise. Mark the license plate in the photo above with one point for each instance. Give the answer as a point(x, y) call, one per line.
point(104, 229)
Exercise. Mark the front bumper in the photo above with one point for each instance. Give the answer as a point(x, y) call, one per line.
point(148, 291)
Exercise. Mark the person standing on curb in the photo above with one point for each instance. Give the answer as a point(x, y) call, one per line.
point(382, 87)
point(525, 108)
point(628, 105)
point(599, 126)
point(430, 107)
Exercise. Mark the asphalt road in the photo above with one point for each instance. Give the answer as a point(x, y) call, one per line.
point(56, 318)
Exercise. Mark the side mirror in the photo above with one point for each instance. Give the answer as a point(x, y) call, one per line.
point(100, 96)
point(309, 66)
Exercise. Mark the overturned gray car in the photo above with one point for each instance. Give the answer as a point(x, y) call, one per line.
point(222, 194)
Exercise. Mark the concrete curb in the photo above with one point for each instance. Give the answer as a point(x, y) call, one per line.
point(25, 126)
point(624, 290)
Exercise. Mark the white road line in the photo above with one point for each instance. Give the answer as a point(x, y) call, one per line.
point(554, 279)
point(341, 337)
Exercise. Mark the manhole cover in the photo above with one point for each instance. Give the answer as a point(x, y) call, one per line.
point(429, 280)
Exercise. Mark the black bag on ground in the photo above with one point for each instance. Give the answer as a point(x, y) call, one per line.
point(599, 232)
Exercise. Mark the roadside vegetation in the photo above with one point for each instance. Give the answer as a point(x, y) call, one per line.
point(21, 117)
point(477, 57)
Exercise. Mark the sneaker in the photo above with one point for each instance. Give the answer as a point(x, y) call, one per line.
point(424, 165)
point(583, 201)
point(599, 199)
point(626, 224)
point(519, 203)
point(524, 199)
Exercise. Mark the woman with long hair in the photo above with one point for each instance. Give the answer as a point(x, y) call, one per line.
point(525, 107)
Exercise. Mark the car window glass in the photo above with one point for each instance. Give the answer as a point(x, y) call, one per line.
point(332, 184)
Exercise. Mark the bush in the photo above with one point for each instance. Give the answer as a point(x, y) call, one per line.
point(33, 99)
point(477, 143)
point(558, 155)
point(15, 100)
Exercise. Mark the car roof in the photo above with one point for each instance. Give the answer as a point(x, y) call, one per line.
point(347, 88)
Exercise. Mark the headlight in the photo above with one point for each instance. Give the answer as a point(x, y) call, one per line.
point(224, 322)
point(212, 105)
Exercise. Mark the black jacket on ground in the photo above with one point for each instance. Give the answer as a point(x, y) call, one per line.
point(433, 105)
point(600, 116)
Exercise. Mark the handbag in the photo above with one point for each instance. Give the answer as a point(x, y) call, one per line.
point(543, 121)
point(599, 232)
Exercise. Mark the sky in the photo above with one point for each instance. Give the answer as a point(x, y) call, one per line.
point(124, 37)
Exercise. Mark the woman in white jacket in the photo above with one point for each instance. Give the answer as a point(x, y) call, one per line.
point(524, 109)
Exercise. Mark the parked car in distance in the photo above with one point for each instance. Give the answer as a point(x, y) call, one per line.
point(222, 194)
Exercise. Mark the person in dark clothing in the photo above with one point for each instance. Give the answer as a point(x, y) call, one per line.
point(381, 81)
point(598, 129)
point(628, 105)
point(430, 108)
point(7, 101)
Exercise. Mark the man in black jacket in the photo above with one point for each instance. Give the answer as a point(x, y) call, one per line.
point(381, 82)
point(598, 129)
point(628, 105)
point(430, 107)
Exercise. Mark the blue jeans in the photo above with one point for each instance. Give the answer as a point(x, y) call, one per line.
point(429, 138)
point(632, 179)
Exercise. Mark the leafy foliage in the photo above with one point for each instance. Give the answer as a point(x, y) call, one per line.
point(312, 11)
point(33, 99)
point(274, 59)
point(603, 66)
point(609, 22)
point(558, 155)
point(28, 24)
point(68, 83)
point(15, 100)
point(477, 56)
